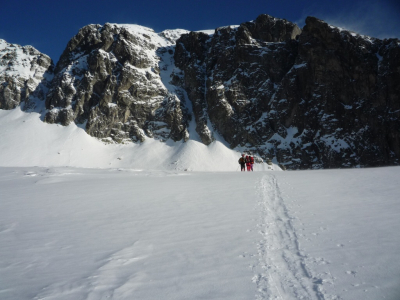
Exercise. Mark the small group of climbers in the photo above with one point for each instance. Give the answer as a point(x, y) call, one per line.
point(246, 161)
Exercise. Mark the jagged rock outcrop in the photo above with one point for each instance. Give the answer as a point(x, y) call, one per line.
point(25, 75)
point(189, 55)
point(109, 77)
point(219, 72)
point(320, 97)
point(340, 100)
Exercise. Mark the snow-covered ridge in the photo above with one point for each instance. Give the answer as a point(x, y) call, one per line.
point(353, 33)
point(21, 61)
point(163, 39)
point(207, 31)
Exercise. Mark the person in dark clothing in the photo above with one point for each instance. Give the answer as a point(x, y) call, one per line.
point(242, 162)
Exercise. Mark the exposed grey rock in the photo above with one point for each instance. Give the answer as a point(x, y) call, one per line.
point(189, 55)
point(318, 98)
point(25, 75)
point(270, 29)
point(109, 77)
point(338, 98)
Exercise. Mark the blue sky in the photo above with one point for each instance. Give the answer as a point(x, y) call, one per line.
point(49, 25)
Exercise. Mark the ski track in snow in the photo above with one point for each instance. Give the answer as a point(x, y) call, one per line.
point(283, 271)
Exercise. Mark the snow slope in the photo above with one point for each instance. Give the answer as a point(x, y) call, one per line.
point(27, 141)
point(74, 233)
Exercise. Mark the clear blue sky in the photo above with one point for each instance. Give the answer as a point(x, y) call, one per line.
point(48, 25)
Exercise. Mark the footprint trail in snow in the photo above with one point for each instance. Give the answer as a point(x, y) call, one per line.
point(282, 271)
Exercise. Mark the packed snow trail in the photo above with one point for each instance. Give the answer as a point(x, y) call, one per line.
point(281, 272)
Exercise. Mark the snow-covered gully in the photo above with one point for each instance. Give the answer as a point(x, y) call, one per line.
point(282, 271)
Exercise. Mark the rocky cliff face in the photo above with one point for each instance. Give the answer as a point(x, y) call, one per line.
point(320, 97)
point(317, 97)
point(25, 75)
point(109, 78)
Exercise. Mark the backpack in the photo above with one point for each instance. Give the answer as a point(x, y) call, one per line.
point(241, 160)
point(251, 159)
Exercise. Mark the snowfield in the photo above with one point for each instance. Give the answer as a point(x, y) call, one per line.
point(83, 220)
point(74, 233)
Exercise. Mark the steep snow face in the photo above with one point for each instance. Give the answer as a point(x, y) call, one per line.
point(25, 74)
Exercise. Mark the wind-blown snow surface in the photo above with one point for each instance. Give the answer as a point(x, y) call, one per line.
point(96, 221)
point(74, 233)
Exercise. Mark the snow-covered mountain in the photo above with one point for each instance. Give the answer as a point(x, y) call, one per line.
point(25, 75)
point(317, 97)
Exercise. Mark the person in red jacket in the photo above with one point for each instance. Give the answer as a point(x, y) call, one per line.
point(251, 162)
point(247, 162)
